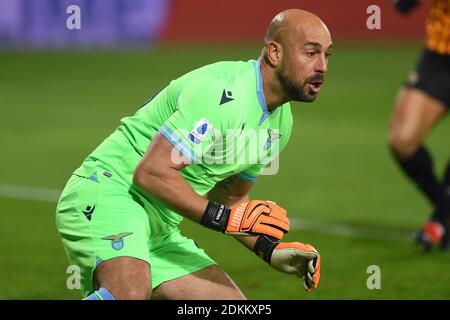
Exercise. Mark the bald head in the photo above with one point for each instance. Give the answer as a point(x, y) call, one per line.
point(292, 24)
point(295, 55)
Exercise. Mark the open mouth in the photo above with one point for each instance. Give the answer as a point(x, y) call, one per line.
point(314, 87)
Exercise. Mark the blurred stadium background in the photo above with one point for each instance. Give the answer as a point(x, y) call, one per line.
point(63, 91)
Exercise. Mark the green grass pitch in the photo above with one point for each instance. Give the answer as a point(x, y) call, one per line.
point(336, 173)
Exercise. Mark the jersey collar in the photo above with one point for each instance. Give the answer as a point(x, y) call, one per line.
point(260, 92)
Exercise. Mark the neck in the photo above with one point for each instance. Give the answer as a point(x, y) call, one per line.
point(273, 92)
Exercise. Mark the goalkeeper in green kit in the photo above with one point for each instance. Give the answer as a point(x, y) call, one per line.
point(195, 150)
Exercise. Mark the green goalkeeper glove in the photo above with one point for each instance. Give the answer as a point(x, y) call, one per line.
point(296, 258)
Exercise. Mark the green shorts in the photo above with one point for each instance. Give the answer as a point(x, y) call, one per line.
point(100, 218)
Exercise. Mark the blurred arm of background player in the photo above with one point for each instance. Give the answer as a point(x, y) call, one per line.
point(405, 6)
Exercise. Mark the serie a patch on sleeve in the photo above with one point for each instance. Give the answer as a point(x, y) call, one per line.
point(201, 129)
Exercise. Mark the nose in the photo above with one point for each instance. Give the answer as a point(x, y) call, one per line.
point(322, 64)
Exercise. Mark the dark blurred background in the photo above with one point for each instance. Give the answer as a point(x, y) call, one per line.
point(42, 24)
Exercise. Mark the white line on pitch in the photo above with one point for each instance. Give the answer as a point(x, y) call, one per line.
point(369, 233)
point(29, 193)
point(51, 195)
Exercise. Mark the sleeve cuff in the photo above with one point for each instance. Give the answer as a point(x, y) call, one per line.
point(178, 143)
point(246, 177)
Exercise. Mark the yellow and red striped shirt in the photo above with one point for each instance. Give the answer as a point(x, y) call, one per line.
point(438, 27)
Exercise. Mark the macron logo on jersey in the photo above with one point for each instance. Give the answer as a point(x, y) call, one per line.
point(201, 129)
point(227, 96)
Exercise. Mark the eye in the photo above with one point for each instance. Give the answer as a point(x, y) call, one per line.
point(311, 53)
point(328, 54)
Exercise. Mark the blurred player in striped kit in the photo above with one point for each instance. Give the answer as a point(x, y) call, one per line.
point(421, 103)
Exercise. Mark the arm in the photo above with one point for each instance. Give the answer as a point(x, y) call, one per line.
point(231, 192)
point(405, 6)
point(158, 173)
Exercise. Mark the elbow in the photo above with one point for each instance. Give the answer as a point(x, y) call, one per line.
point(149, 176)
point(138, 177)
point(142, 177)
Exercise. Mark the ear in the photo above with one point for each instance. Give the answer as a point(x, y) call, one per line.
point(274, 53)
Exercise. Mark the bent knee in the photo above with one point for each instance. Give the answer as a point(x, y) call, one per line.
point(138, 289)
point(125, 278)
point(403, 144)
point(137, 292)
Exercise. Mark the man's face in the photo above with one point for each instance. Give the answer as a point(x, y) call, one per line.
point(304, 64)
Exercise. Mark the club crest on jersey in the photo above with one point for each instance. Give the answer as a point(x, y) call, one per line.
point(117, 240)
point(272, 137)
point(201, 129)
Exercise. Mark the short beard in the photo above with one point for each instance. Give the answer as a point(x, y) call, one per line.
point(293, 91)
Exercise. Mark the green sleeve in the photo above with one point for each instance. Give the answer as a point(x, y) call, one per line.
point(250, 174)
point(196, 122)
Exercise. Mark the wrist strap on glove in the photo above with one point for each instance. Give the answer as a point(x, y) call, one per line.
point(264, 247)
point(216, 216)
